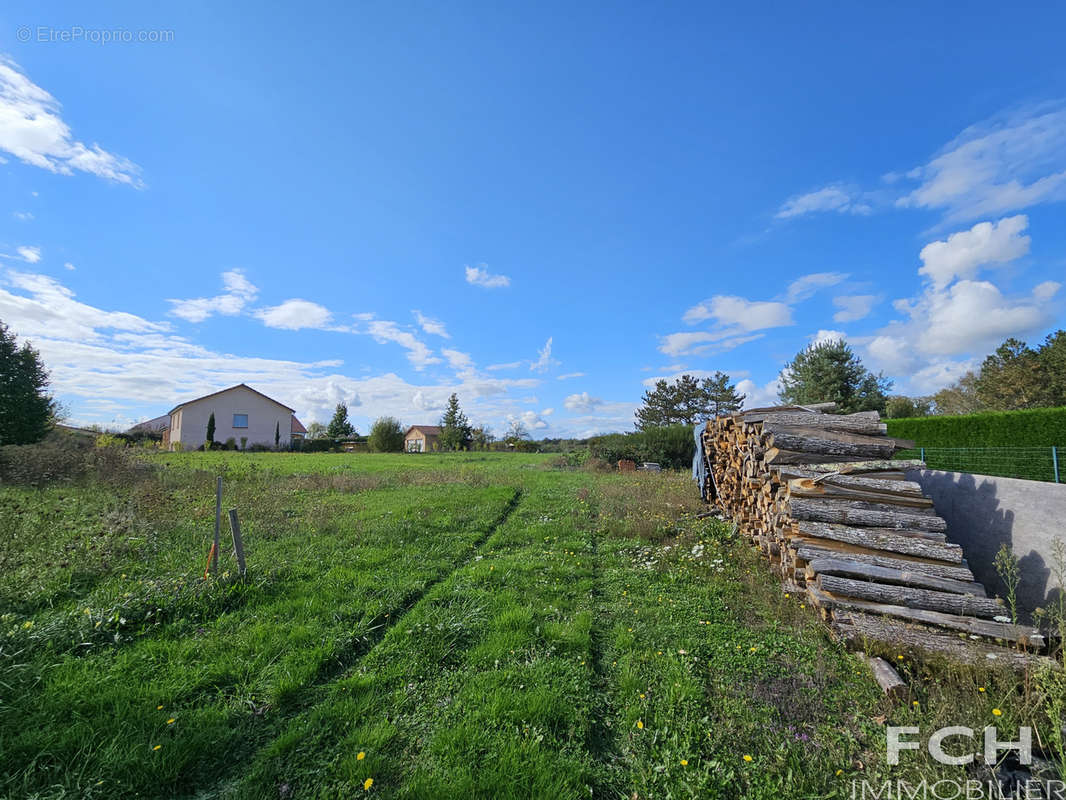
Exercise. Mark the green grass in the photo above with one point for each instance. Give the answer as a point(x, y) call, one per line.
point(474, 625)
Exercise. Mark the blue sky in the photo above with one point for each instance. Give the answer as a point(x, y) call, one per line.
point(541, 207)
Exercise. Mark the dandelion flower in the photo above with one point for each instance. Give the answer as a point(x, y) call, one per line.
point(157, 747)
point(747, 757)
point(840, 772)
point(640, 725)
point(900, 657)
point(642, 697)
point(684, 762)
point(159, 708)
point(996, 712)
point(171, 721)
point(981, 689)
point(367, 784)
point(914, 702)
point(361, 756)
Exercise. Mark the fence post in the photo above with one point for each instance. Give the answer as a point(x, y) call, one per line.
point(1055, 461)
point(238, 544)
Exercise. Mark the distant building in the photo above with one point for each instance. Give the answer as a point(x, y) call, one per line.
point(151, 427)
point(421, 438)
point(298, 429)
point(240, 413)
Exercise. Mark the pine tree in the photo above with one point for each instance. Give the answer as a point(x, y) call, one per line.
point(211, 429)
point(339, 427)
point(277, 435)
point(830, 371)
point(688, 401)
point(27, 411)
point(455, 428)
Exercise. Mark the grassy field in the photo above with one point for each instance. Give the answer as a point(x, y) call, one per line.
point(435, 626)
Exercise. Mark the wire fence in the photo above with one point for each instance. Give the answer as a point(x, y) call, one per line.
point(1031, 463)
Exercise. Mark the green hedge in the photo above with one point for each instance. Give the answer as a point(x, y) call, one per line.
point(670, 447)
point(1037, 427)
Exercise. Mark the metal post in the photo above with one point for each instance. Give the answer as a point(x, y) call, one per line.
point(238, 545)
point(1055, 461)
point(923, 453)
point(218, 523)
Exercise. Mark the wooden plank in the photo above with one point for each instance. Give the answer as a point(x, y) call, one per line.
point(862, 514)
point(946, 602)
point(970, 625)
point(807, 488)
point(864, 630)
point(876, 539)
point(903, 577)
point(807, 550)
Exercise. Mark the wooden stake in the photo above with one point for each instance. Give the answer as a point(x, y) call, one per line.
point(238, 545)
point(218, 525)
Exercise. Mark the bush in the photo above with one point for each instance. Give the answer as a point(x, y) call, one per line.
point(672, 447)
point(1037, 427)
point(231, 443)
point(66, 459)
point(386, 436)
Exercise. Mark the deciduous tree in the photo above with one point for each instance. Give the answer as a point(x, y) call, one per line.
point(386, 435)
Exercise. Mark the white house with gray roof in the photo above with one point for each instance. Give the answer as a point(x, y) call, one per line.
point(240, 413)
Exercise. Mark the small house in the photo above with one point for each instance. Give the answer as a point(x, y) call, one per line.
point(421, 439)
point(241, 413)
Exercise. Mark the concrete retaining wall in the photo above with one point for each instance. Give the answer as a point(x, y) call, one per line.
point(985, 512)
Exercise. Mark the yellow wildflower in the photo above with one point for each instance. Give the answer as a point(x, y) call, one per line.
point(171, 721)
point(361, 756)
point(159, 708)
point(996, 712)
point(747, 757)
point(981, 689)
point(640, 725)
point(367, 784)
point(684, 762)
point(157, 747)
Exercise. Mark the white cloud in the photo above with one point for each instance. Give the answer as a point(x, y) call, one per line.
point(703, 342)
point(22, 216)
point(418, 353)
point(853, 307)
point(69, 266)
point(431, 326)
point(461, 362)
point(295, 314)
point(1008, 163)
point(479, 276)
point(544, 360)
point(570, 375)
point(31, 255)
point(508, 365)
point(964, 252)
point(32, 130)
point(824, 336)
point(804, 287)
point(756, 396)
point(583, 402)
point(745, 315)
point(530, 419)
point(239, 291)
point(836, 197)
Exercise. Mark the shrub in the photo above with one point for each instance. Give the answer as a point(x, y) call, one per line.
point(386, 436)
point(109, 440)
point(231, 443)
point(62, 460)
point(672, 447)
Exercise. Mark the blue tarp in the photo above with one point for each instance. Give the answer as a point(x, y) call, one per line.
point(699, 463)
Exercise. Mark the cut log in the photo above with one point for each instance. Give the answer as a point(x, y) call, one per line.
point(809, 439)
point(887, 678)
point(903, 577)
point(776, 456)
point(860, 467)
point(892, 541)
point(870, 426)
point(897, 485)
point(863, 630)
point(806, 487)
point(973, 626)
point(807, 551)
point(862, 514)
point(946, 602)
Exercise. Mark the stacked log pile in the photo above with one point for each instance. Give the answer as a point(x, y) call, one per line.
point(822, 498)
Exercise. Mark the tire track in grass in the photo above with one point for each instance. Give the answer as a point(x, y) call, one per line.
point(310, 695)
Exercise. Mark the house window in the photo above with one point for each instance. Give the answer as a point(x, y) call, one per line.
point(240, 420)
